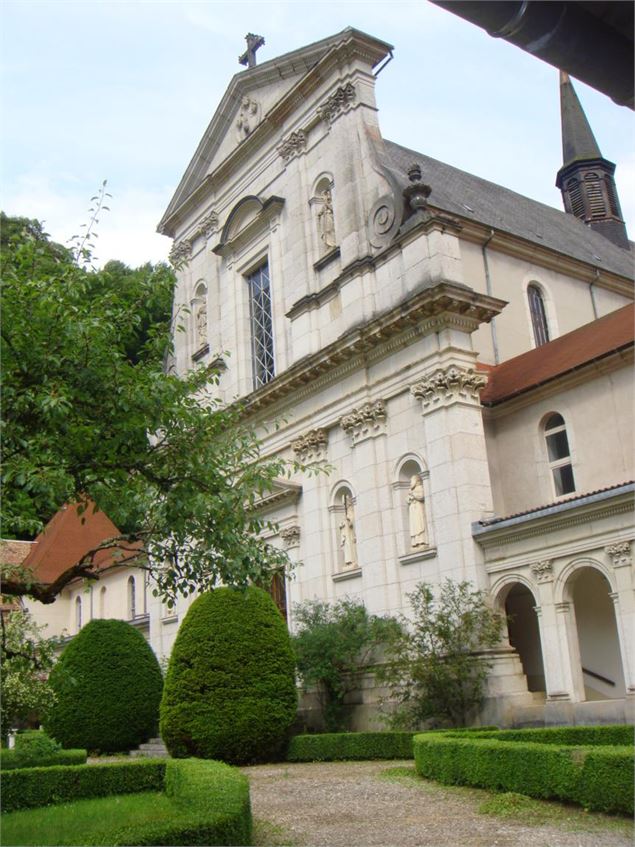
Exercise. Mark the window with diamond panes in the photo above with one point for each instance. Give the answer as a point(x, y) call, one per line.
point(261, 325)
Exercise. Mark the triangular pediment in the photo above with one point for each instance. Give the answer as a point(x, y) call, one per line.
point(250, 98)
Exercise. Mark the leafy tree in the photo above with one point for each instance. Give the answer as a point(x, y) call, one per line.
point(435, 666)
point(332, 644)
point(27, 657)
point(108, 687)
point(230, 688)
point(90, 414)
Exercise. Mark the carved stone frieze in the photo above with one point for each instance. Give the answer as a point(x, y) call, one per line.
point(543, 571)
point(292, 145)
point(341, 100)
point(366, 422)
point(447, 385)
point(181, 253)
point(620, 554)
point(311, 447)
point(290, 537)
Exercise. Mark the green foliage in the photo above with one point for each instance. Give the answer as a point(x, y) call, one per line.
point(108, 685)
point(12, 759)
point(30, 787)
point(609, 734)
point(434, 670)
point(336, 746)
point(34, 744)
point(598, 778)
point(26, 657)
point(230, 688)
point(332, 644)
point(209, 804)
point(94, 412)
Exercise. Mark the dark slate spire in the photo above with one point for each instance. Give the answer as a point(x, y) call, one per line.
point(586, 177)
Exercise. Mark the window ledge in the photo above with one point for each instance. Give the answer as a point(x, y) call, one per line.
point(170, 619)
point(202, 351)
point(418, 556)
point(325, 260)
point(344, 575)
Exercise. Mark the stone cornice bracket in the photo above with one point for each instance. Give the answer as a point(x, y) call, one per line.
point(620, 554)
point(340, 101)
point(181, 253)
point(366, 422)
point(292, 145)
point(449, 385)
point(290, 536)
point(543, 571)
point(311, 447)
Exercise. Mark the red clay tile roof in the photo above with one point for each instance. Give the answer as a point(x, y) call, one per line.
point(66, 538)
point(14, 552)
point(595, 340)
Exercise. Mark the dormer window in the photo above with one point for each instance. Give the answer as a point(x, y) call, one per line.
point(261, 325)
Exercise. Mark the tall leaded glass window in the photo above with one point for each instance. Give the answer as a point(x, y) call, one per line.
point(559, 455)
point(261, 325)
point(538, 315)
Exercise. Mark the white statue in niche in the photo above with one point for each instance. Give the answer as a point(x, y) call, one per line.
point(326, 220)
point(347, 533)
point(417, 514)
point(201, 324)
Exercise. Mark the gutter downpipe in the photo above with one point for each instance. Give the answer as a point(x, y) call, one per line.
point(488, 288)
point(592, 291)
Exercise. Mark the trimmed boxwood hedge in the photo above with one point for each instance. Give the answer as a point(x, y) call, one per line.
point(230, 689)
point(611, 734)
point(211, 799)
point(11, 759)
point(108, 684)
point(336, 746)
point(599, 778)
point(27, 788)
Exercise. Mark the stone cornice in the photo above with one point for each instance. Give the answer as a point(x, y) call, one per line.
point(546, 257)
point(284, 492)
point(444, 304)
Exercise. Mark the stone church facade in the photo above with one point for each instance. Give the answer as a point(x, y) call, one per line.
point(458, 354)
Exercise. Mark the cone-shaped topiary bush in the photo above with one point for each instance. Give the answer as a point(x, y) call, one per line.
point(108, 684)
point(230, 688)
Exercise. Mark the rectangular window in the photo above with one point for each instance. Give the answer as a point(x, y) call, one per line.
point(261, 325)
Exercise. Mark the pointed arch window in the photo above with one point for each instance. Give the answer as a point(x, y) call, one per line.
point(559, 455)
point(538, 314)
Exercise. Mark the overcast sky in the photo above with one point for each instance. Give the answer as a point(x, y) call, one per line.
point(123, 91)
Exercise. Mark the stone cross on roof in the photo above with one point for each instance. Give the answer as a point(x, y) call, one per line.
point(253, 43)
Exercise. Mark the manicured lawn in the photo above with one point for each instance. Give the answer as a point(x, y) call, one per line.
point(84, 821)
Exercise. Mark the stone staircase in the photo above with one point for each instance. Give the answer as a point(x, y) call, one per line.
point(152, 749)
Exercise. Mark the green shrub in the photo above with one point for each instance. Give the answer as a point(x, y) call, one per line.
point(615, 734)
point(599, 778)
point(230, 688)
point(27, 788)
point(108, 685)
point(11, 759)
point(335, 746)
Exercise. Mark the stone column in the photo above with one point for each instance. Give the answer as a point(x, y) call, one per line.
point(624, 602)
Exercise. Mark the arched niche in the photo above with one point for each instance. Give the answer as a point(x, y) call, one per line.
point(323, 210)
point(342, 509)
point(411, 495)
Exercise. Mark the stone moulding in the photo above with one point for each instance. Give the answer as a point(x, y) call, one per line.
point(367, 421)
point(290, 536)
point(292, 145)
point(449, 385)
point(340, 101)
point(620, 554)
point(311, 447)
point(543, 571)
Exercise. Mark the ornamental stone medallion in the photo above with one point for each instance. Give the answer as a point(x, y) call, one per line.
point(620, 554)
point(311, 447)
point(367, 421)
point(248, 117)
point(449, 385)
point(543, 571)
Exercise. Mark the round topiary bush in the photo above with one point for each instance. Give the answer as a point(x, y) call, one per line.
point(108, 685)
point(230, 688)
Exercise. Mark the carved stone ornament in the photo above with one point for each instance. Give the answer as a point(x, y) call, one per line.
point(311, 447)
point(208, 225)
point(290, 537)
point(383, 221)
point(620, 553)
point(181, 253)
point(416, 194)
point(338, 102)
point(543, 571)
point(248, 117)
point(292, 145)
point(448, 385)
point(367, 421)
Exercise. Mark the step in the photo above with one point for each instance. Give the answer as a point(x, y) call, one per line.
point(154, 748)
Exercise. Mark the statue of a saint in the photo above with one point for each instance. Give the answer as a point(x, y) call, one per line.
point(347, 534)
point(417, 514)
point(201, 324)
point(326, 220)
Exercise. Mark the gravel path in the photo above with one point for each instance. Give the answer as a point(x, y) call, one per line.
point(349, 804)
